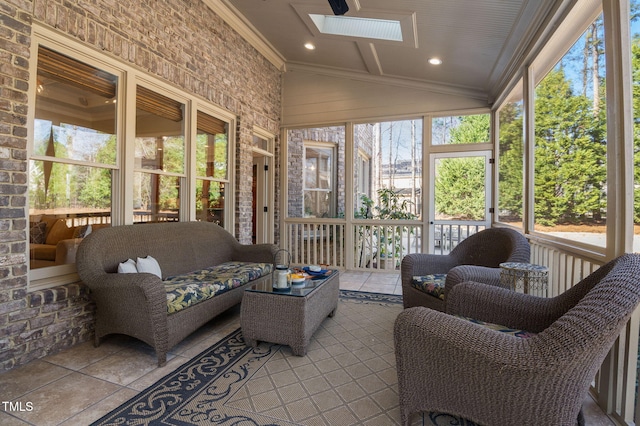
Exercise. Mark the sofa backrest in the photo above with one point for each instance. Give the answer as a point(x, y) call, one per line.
point(178, 247)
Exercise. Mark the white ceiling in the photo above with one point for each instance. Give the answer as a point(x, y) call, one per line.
point(479, 41)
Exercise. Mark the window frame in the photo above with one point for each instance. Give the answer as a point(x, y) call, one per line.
point(172, 95)
point(573, 26)
point(229, 193)
point(333, 173)
point(124, 168)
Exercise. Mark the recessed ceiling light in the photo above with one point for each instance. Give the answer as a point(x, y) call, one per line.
point(309, 46)
point(435, 61)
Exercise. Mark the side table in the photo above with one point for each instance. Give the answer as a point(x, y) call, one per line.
point(524, 277)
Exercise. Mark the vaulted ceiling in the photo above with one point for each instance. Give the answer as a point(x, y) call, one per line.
point(479, 41)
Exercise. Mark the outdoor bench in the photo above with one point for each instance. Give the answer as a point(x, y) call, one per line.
point(202, 271)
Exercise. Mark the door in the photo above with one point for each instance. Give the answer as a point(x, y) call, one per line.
point(460, 188)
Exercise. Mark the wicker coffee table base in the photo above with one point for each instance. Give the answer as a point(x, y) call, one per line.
point(285, 319)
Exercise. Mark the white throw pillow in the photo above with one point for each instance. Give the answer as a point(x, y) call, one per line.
point(150, 265)
point(128, 267)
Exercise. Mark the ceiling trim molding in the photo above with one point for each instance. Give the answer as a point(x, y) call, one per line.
point(238, 23)
point(370, 57)
point(526, 39)
point(446, 89)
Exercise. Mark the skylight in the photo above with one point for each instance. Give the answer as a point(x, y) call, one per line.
point(381, 29)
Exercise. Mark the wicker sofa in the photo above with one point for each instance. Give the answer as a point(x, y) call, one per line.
point(204, 272)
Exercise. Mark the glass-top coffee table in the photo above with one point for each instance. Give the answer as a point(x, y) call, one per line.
point(288, 317)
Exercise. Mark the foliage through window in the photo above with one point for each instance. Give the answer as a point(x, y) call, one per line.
point(570, 186)
point(212, 150)
point(460, 181)
point(72, 158)
point(635, 65)
point(511, 159)
point(159, 157)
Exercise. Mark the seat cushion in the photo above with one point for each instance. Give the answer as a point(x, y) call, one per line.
point(501, 328)
point(42, 251)
point(432, 284)
point(194, 287)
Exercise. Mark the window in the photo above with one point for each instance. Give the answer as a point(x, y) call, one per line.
point(316, 176)
point(390, 153)
point(73, 156)
point(363, 181)
point(570, 186)
point(511, 159)
point(83, 172)
point(319, 181)
point(635, 68)
point(159, 157)
point(212, 151)
point(466, 129)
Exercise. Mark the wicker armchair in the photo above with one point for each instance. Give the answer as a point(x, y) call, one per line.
point(448, 364)
point(476, 258)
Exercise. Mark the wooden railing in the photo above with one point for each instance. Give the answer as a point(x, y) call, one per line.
point(615, 384)
point(316, 242)
point(381, 245)
point(448, 234)
point(378, 246)
point(366, 244)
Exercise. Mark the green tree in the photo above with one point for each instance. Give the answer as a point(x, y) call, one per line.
point(635, 61)
point(460, 182)
point(96, 191)
point(510, 178)
point(570, 149)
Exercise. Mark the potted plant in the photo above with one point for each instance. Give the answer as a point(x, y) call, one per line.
point(391, 206)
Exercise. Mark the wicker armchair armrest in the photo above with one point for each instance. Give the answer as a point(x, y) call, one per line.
point(255, 253)
point(462, 273)
point(503, 306)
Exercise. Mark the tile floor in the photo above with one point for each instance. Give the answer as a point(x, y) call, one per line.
point(81, 384)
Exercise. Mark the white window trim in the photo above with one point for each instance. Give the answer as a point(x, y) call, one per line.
point(122, 203)
point(332, 187)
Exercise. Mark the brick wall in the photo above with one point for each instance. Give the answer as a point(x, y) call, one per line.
point(179, 41)
point(295, 159)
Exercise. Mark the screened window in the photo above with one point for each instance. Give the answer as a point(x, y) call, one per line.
point(390, 154)
point(73, 157)
point(570, 185)
point(511, 159)
point(460, 130)
point(635, 66)
point(363, 183)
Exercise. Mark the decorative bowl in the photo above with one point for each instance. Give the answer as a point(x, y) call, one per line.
point(298, 281)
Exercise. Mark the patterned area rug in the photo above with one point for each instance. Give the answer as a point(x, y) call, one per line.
point(348, 377)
